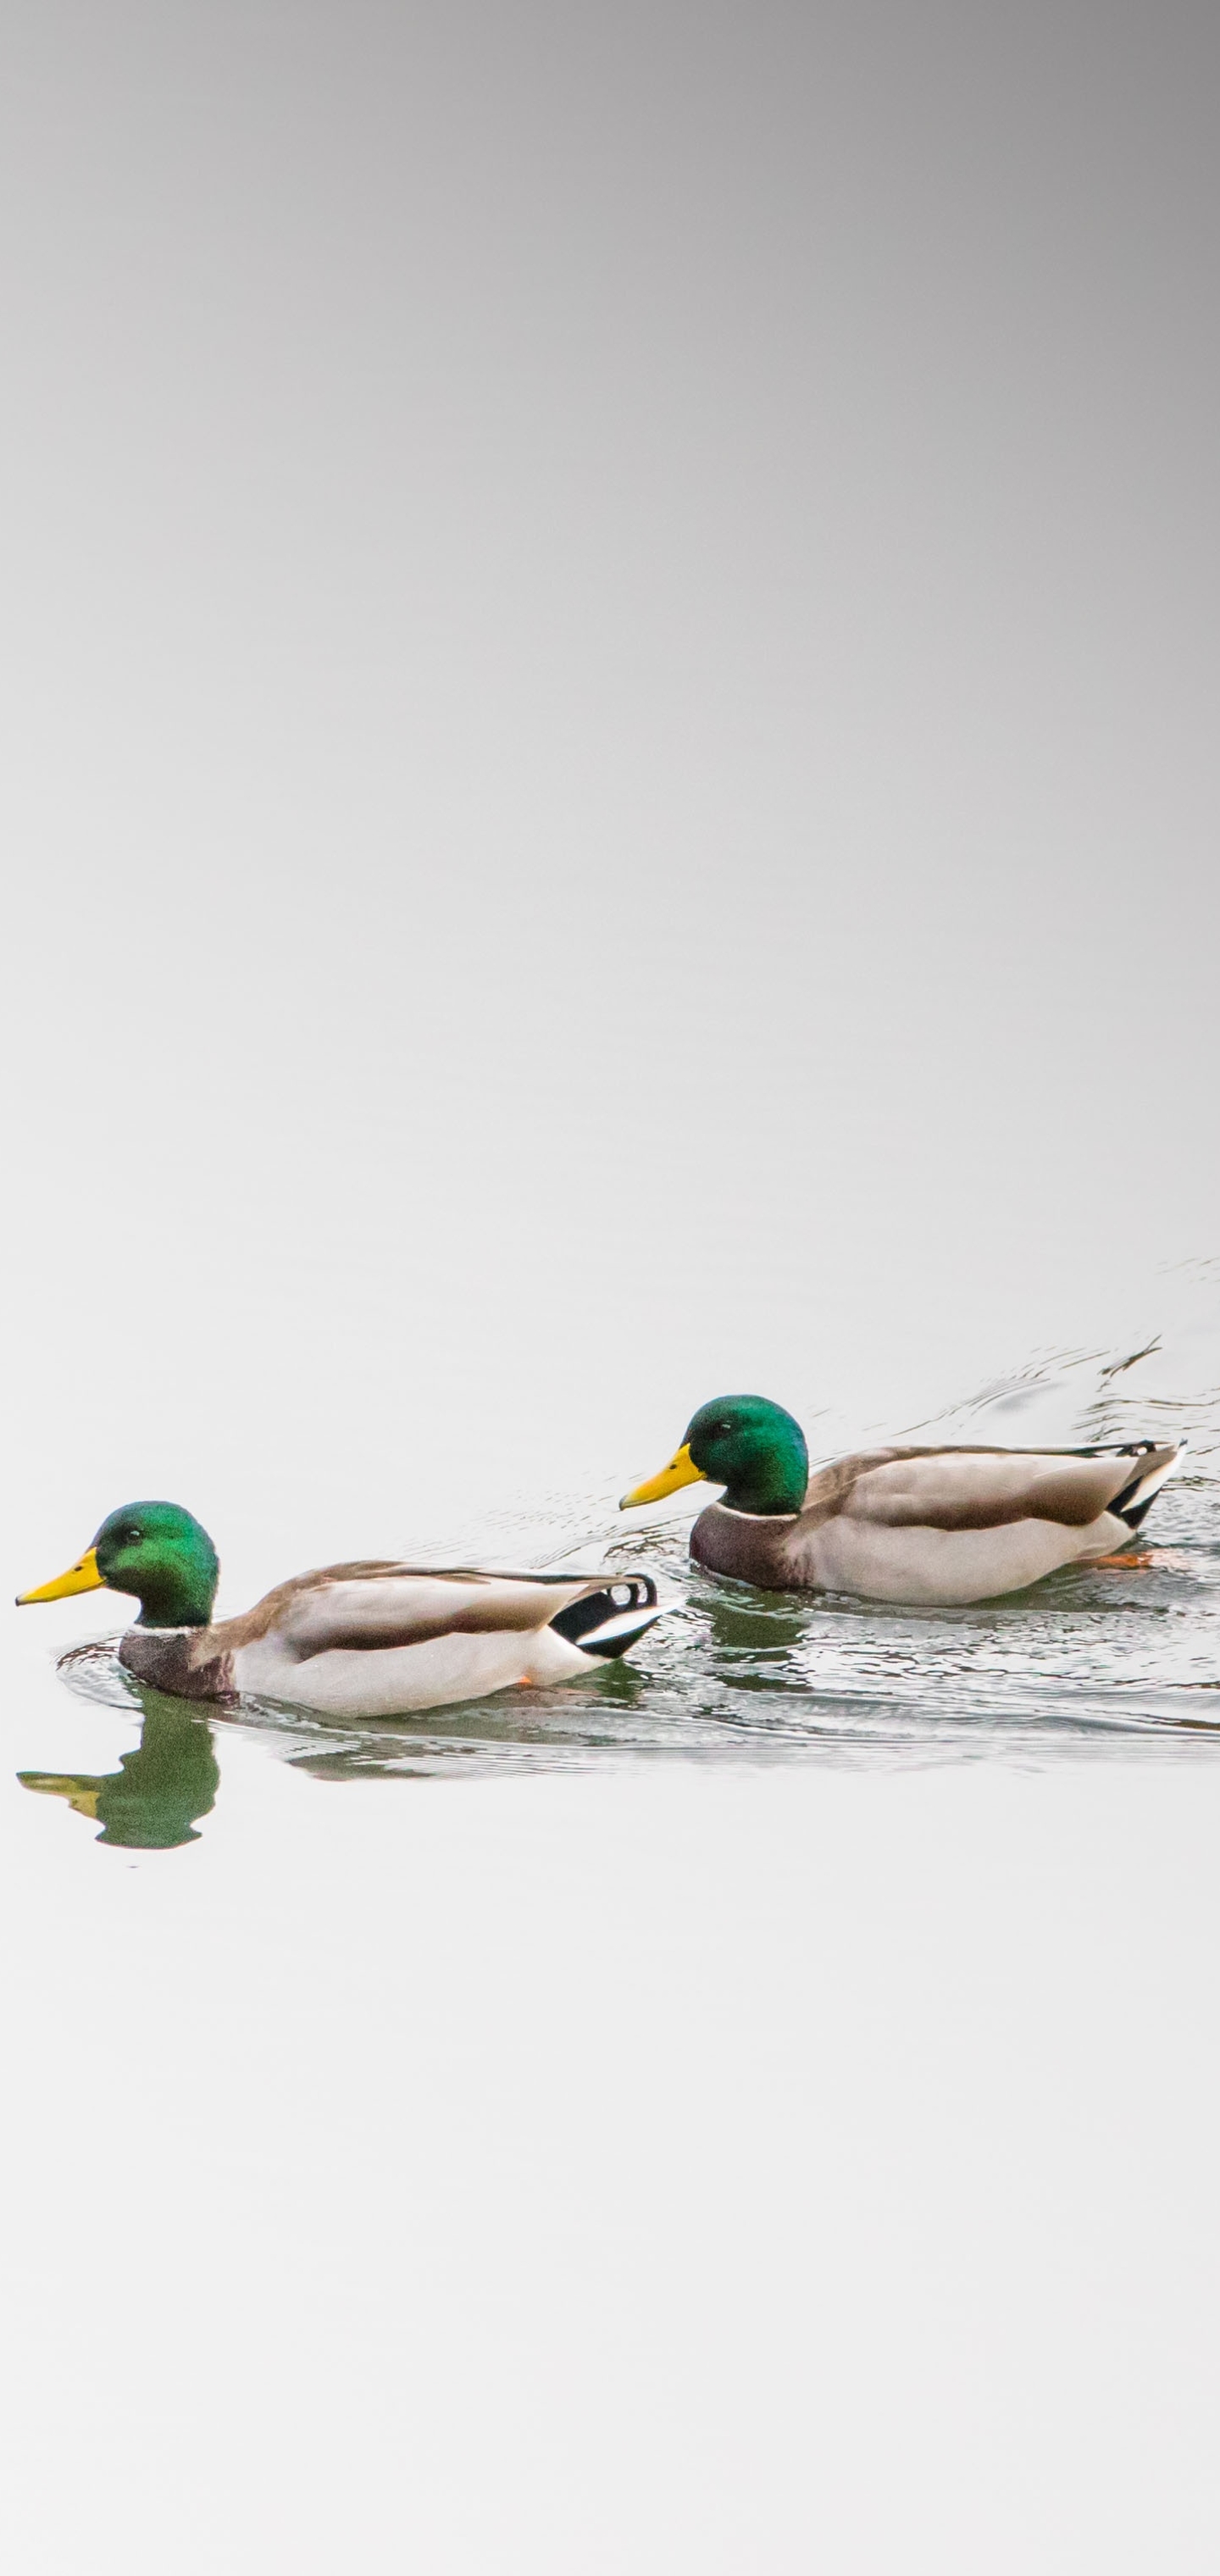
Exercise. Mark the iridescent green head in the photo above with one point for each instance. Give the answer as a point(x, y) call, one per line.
point(745, 1443)
point(155, 1551)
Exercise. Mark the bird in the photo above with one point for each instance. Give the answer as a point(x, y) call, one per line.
point(375, 1639)
point(904, 1525)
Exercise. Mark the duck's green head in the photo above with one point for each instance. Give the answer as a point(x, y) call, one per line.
point(155, 1551)
point(745, 1443)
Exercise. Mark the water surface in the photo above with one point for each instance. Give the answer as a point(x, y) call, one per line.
point(740, 2111)
point(1120, 1658)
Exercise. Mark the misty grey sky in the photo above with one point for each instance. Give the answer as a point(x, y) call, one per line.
point(609, 634)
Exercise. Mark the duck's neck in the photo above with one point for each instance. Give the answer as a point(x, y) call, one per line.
point(179, 1595)
point(773, 1478)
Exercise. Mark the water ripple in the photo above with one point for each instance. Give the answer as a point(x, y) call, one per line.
point(1107, 1658)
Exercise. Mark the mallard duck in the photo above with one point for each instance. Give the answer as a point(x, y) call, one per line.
point(909, 1525)
point(367, 1640)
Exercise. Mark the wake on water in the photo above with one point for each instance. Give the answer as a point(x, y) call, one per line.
point(1114, 1657)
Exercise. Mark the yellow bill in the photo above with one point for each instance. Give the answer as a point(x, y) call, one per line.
point(680, 1471)
point(81, 1577)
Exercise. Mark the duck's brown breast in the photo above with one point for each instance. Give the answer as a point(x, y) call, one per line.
point(180, 1661)
point(752, 1546)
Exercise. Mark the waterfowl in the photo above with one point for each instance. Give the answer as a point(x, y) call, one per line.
point(363, 1640)
point(904, 1525)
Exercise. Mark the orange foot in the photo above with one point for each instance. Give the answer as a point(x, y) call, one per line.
point(1140, 1561)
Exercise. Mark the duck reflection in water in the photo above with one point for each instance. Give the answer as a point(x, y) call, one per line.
point(755, 1634)
point(151, 1803)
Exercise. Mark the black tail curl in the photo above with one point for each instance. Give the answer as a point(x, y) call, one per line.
point(583, 1621)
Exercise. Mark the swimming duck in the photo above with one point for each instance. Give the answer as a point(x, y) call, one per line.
point(904, 1525)
point(364, 1640)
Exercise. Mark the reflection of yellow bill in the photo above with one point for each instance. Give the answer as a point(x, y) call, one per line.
point(680, 1471)
point(81, 1794)
point(81, 1577)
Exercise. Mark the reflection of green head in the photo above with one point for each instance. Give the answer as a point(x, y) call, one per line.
point(151, 1802)
point(162, 1555)
point(754, 1448)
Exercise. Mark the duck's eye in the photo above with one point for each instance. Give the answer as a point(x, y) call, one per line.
point(130, 1537)
point(723, 1430)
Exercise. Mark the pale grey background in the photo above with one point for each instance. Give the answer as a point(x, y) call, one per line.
point(608, 623)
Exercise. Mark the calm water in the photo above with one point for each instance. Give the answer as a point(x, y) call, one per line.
point(757, 2102)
